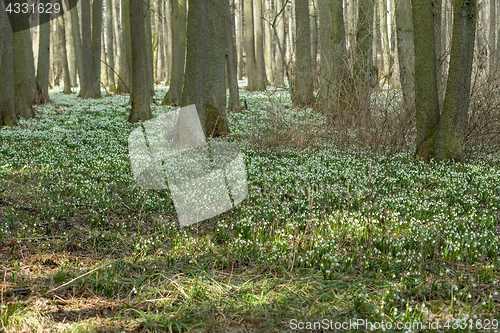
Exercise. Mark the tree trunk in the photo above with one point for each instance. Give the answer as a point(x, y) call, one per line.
point(426, 93)
point(314, 42)
point(61, 31)
point(115, 4)
point(216, 117)
point(453, 123)
point(7, 106)
point(259, 41)
point(232, 61)
point(149, 51)
point(492, 39)
point(109, 44)
point(280, 56)
point(24, 73)
point(125, 85)
point(268, 41)
point(87, 78)
point(71, 55)
point(168, 40)
point(384, 33)
point(75, 31)
point(239, 37)
point(351, 25)
point(406, 52)
point(42, 70)
point(195, 76)
point(439, 50)
point(254, 78)
point(141, 98)
point(174, 94)
point(325, 57)
point(365, 74)
point(159, 40)
point(96, 43)
point(303, 81)
point(340, 67)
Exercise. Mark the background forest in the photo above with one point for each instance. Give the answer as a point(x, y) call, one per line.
point(370, 134)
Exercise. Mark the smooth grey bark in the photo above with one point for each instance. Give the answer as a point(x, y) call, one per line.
point(255, 81)
point(109, 43)
point(426, 92)
point(363, 66)
point(178, 21)
point(491, 35)
point(326, 57)
point(259, 41)
point(364, 73)
point(268, 42)
point(61, 32)
point(149, 51)
point(168, 41)
point(218, 21)
point(438, 32)
point(24, 72)
point(75, 32)
point(96, 43)
point(70, 48)
point(384, 34)
point(351, 25)
point(239, 37)
point(117, 38)
point(406, 51)
point(280, 68)
point(7, 106)
point(339, 78)
point(125, 84)
point(303, 80)
point(453, 123)
point(140, 97)
point(159, 40)
point(314, 39)
point(87, 78)
point(232, 60)
point(376, 39)
point(195, 76)
point(43, 66)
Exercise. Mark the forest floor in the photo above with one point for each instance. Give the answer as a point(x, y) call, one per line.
point(326, 236)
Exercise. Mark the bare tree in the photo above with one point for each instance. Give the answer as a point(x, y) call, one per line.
point(109, 43)
point(7, 107)
point(42, 74)
point(195, 76)
point(303, 81)
point(140, 98)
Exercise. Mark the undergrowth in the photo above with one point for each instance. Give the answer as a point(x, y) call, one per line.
point(329, 230)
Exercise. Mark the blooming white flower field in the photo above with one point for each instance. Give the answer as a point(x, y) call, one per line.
point(324, 232)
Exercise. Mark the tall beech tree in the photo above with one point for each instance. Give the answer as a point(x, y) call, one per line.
point(195, 77)
point(24, 68)
point(216, 118)
point(178, 25)
point(406, 51)
point(61, 32)
point(303, 81)
point(42, 68)
point(96, 43)
point(87, 78)
point(7, 107)
point(442, 135)
point(255, 79)
point(141, 98)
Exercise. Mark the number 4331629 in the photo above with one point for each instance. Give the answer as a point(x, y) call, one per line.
point(40, 8)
